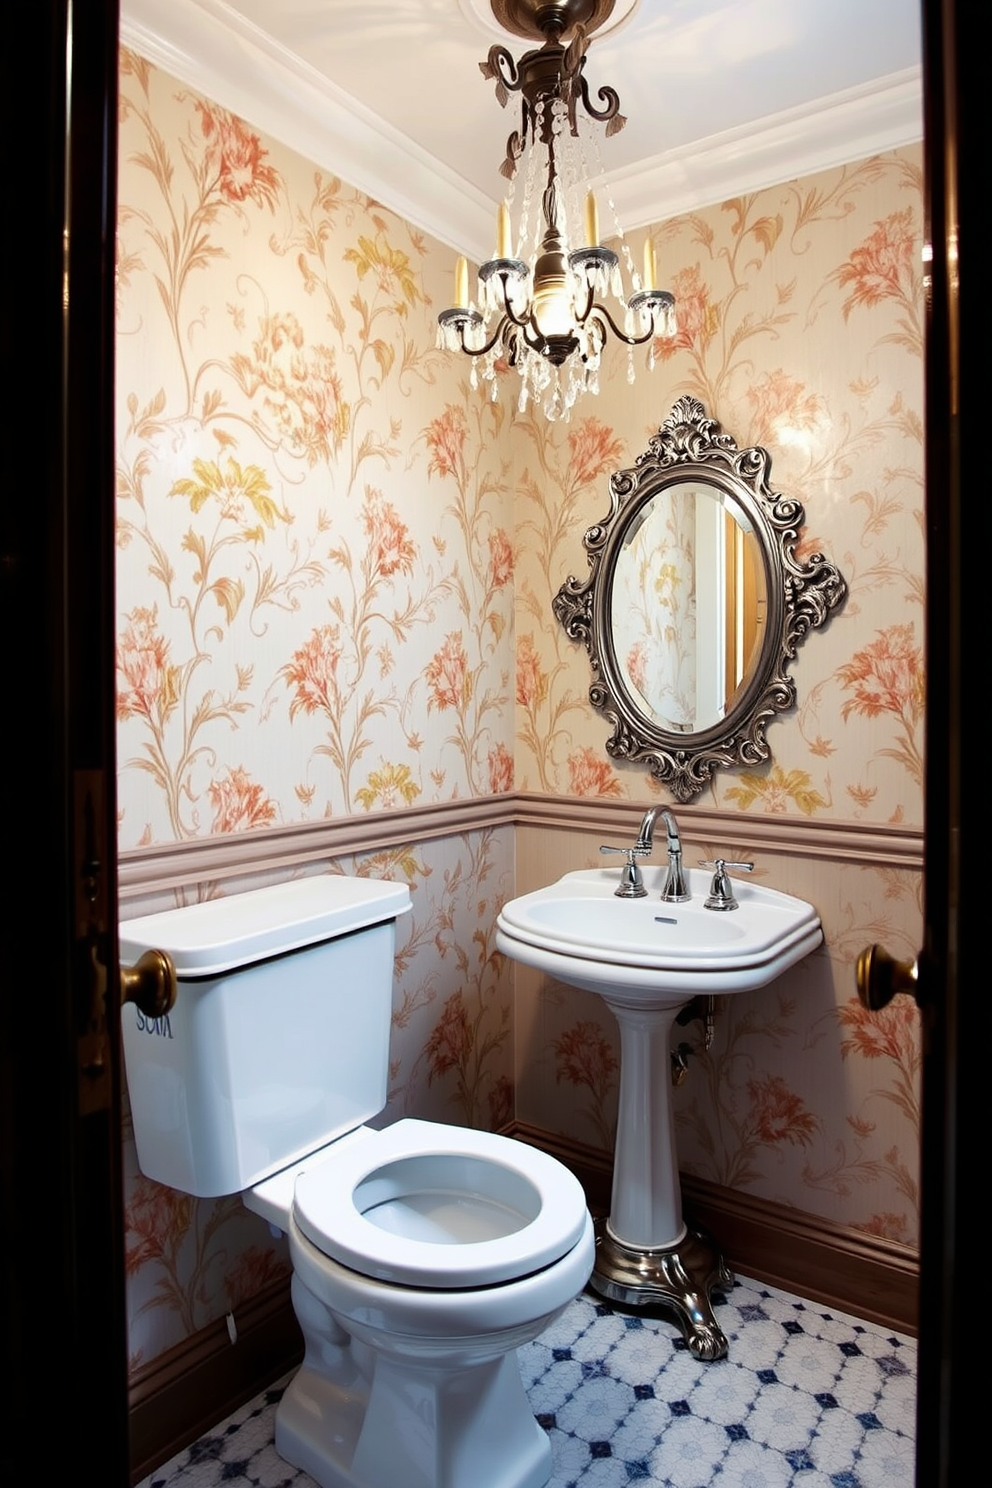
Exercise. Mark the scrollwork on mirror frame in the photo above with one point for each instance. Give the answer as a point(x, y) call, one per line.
point(694, 492)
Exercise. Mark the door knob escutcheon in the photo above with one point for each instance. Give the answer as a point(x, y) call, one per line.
point(880, 977)
point(150, 983)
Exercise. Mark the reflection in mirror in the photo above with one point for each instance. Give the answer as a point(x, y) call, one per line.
point(695, 603)
point(688, 604)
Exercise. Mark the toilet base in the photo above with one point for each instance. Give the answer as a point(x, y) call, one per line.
point(420, 1428)
point(355, 1416)
point(678, 1278)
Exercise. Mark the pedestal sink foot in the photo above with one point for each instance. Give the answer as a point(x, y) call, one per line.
point(678, 1278)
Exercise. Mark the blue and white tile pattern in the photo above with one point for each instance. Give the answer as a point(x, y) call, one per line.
point(807, 1398)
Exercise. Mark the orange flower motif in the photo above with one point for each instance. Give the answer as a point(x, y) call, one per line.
point(447, 675)
point(588, 775)
point(251, 1272)
point(239, 804)
point(143, 663)
point(887, 1226)
point(584, 1057)
point(301, 390)
point(500, 770)
point(778, 398)
point(891, 1033)
point(887, 676)
point(450, 1041)
point(594, 449)
point(693, 333)
point(391, 549)
point(637, 664)
point(883, 268)
point(313, 672)
point(155, 1221)
point(446, 436)
point(778, 1114)
point(237, 157)
point(500, 559)
point(500, 1103)
point(532, 682)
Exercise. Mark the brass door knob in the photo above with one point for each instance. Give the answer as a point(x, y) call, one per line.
point(880, 977)
point(150, 983)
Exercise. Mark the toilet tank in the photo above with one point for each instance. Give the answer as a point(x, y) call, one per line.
point(278, 1041)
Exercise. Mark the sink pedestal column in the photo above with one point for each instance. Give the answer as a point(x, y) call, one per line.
point(645, 1253)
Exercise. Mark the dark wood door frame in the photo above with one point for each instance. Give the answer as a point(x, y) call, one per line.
point(956, 1027)
point(64, 1328)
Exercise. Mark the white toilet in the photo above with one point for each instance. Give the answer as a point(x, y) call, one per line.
point(423, 1254)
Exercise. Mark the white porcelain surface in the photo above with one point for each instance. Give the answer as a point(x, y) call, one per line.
point(423, 1204)
point(261, 1080)
point(409, 1386)
point(647, 959)
point(578, 931)
point(237, 929)
point(262, 1061)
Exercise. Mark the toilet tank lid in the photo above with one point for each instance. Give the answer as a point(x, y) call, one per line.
point(235, 930)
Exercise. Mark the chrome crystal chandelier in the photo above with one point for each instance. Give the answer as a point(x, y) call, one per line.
point(543, 302)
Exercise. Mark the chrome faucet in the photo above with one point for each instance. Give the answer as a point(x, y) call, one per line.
point(675, 889)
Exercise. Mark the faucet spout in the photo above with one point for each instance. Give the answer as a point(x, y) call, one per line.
point(675, 889)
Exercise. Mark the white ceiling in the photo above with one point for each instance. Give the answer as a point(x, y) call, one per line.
point(721, 96)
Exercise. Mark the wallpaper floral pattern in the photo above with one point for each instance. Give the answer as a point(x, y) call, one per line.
point(335, 570)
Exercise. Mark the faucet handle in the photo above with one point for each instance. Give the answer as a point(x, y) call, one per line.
point(721, 895)
point(631, 880)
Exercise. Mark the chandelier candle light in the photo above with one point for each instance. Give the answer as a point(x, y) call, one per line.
point(541, 310)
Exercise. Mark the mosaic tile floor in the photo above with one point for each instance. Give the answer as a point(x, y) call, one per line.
point(807, 1398)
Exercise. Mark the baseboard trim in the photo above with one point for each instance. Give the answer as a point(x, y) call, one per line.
point(184, 1392)
point(846, 1269)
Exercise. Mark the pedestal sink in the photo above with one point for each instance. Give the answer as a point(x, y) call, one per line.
point(647, 959)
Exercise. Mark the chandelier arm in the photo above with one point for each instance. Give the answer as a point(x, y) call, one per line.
point(477, 351)
point(587, 308)
point(534, 338)
point(508, 311)
point(602, 313)
point(611, 101)
point(500, 64)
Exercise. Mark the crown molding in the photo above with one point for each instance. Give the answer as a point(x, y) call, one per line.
point(206, 45)
point(209, 47)
point(835, 131)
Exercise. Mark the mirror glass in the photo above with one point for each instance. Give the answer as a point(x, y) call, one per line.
point(695, 603)
point(688, 605)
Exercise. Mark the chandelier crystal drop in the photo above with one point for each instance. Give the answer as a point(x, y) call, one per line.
point(542, 302)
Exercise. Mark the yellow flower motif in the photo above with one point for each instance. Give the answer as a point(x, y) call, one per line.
point(775, 791)
point(393, 785)
point(232, 487)
point(392, 269)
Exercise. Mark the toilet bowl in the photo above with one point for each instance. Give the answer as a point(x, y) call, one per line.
point(423, 1254)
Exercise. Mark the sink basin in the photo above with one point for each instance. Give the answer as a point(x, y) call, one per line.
point(647, 959)
point(578, 931)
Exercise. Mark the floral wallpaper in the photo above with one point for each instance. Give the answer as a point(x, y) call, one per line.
point(800, 329)
point(335, 568)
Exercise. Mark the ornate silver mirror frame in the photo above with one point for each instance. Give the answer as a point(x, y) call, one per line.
point(721, 563)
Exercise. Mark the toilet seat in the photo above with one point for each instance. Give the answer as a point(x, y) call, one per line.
point(424, 1204)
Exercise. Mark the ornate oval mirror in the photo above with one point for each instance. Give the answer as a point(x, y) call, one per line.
point(695, 603)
